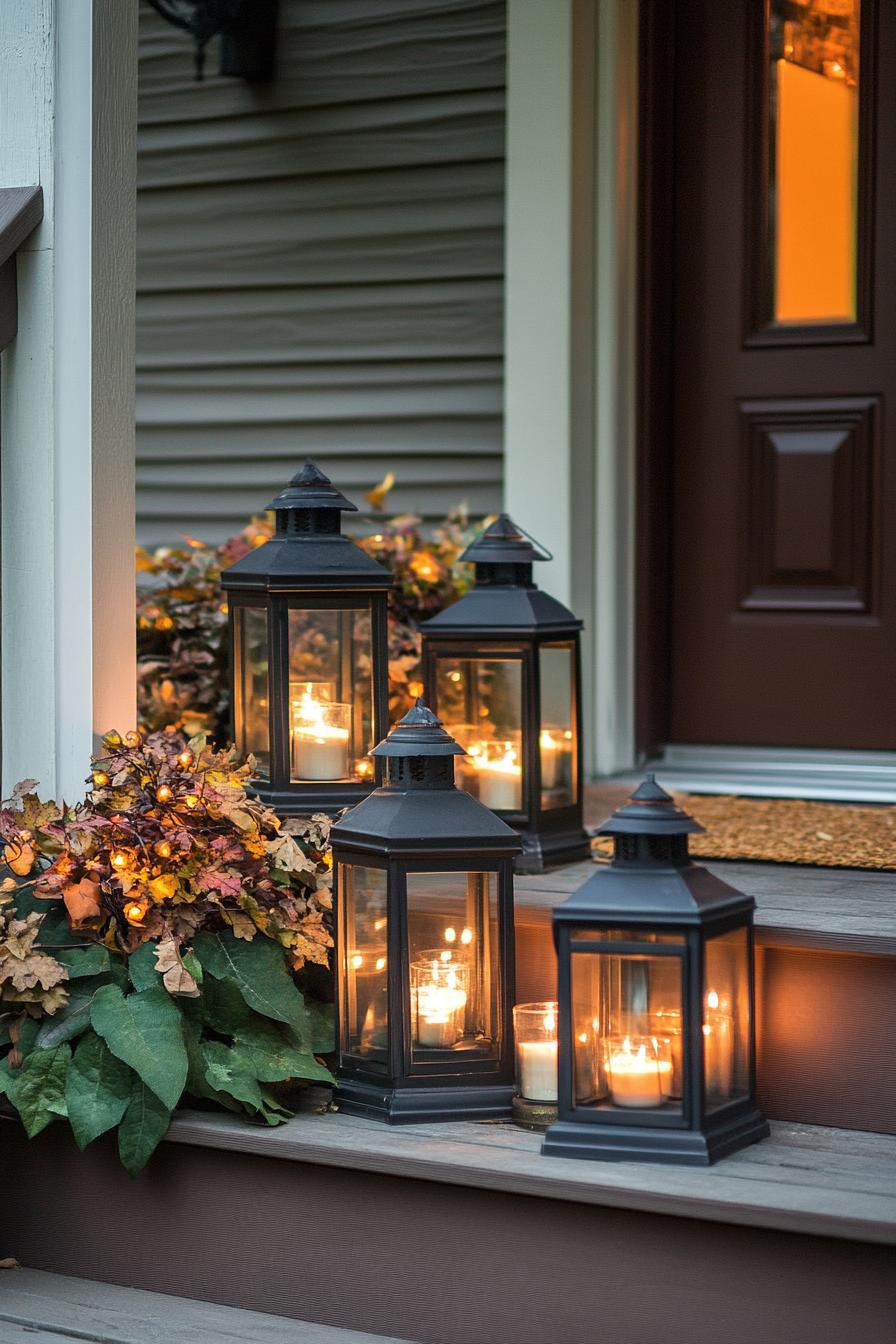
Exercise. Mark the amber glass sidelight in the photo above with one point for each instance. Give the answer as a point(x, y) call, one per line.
point(331, 693)
point(481, 705)
point(251, 689)
point(813, 155)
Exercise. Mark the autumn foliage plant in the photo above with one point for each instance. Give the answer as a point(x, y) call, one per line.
point(165, 939)
point(182, 616)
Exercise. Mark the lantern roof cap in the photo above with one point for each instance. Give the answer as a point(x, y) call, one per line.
point(649, 811)
point(419, 733)
point(311, 489)
point(504, 543)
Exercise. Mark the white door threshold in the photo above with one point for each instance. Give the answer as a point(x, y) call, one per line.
point(779, 772)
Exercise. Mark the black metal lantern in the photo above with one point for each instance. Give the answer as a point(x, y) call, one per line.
point(502, 669)
point(308, 654)
point(425, 961)
point(655, 991)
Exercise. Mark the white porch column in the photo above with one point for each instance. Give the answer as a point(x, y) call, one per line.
point(569, 329)
point(68, 81)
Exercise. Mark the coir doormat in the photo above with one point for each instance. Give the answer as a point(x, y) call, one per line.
point(787, 830)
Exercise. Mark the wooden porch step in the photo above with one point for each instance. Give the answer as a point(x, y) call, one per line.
point(464, 1234)
point(825, 977)
point(41, 1308)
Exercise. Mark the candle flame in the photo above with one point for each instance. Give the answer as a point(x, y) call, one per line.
point(550, 1020)
point(380, 963)
point(466, 936)
point(450, 935)
point(712, 999)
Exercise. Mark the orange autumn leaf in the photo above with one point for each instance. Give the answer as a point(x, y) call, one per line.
point(82, 901)
point(20, 858)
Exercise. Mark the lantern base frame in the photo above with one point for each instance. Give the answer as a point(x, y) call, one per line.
point(543, 850)
point(421, 1105)
point(628, 1143)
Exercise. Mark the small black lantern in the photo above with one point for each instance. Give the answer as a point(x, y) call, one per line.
point(502, 668)
point(308, 654)
point(425, 960)
point(656, 1001)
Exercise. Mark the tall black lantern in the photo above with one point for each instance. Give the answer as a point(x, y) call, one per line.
point(425, 964)
point(655, 991)
point(308, 654)
point(502, 669)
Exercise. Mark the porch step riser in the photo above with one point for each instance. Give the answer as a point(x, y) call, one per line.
point(436, 1263)
point(824, 1024)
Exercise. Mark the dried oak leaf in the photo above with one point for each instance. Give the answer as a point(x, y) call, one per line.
point(243, 927)
point(83, 902)
point(175, 976)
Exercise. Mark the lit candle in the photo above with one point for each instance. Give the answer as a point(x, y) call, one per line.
point(500, 780)
point(555, 746)
point(440, 1002)
point(718, 1046)
point(320, 747)
point(638, 1077)
point(538, 1065)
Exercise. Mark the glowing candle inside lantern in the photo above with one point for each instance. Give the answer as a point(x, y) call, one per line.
point(638, 1076)
point(718, 1045)
point(500, 779)
point(320, 738)
point(555, 749)
point(439, 1001)
point(538, 1063)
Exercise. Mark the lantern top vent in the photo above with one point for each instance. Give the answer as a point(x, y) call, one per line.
point(419, 733)
point(504, 543)
point(311, 489)
point(649, 811)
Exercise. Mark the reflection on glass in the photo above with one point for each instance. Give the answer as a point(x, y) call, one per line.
point(330, 694)
point(535, 1033)
point(480, 704)
point(726, 1019)
point(362, 946)
point(250, 709)
point(626, 1011)
point(813, 152)
point(556, 743)
point(453, 952)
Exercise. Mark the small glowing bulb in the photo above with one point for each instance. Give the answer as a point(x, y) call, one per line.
point(132, 739)
point(357, 961)
point(100, 779)
point(379, 923)
point(583, 1037)
point(191, 800)
point(134, 913)
point(163, 849)
point(454, 676)
point(712, 999)
point(119, 859)
point(380, 963)
point(450, 935)
point(466, 936)
point(185, 758)
point(223, 608)
point(163, 793)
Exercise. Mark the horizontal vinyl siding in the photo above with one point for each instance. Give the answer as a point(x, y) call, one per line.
point(320, 264)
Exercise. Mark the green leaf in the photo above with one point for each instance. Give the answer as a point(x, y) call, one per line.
point(70, 1021)
point(145, 1031)
point(97, 1090)
point(197, 1085)
point(37, 1087)
point(323, 1027)
point(271, 1059)
point(142, 967)
point(258, 969)
point(55, 929)
point(143, 1127)
point(193, 965)
point(223, 1007)
point(226, 1071)
point(28, 1032)
point(6, 1077)
point(92, 959)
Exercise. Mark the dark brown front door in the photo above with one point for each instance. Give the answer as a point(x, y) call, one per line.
point(783, 377)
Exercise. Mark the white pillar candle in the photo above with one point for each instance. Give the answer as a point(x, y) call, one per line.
point(538, 1070)
point(638, 1078)
point(549, 747)
point(320, 747)
point(500, 782)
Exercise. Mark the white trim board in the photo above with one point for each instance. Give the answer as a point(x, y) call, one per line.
point(777, 772)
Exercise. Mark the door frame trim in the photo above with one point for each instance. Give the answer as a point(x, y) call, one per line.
point(780, 772)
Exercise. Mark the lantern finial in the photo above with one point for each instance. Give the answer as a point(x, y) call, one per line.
point(311, 490)
point(649, 811)
point(419, 733)
point(504, 543)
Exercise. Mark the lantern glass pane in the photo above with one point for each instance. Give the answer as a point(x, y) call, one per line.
point(726, 1019)
point(626, 1024)
point(557, 745)
point(251, 704)
point(330, 694)
point(363, 928)
point(455, 976)
point(481, 705)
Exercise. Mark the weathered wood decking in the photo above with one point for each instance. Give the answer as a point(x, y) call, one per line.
point(826, 1182)
point(830, 909)
point(53, 1309)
